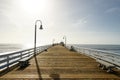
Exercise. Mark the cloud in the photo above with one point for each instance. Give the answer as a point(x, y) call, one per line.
point(113, 10)
point(82, 21)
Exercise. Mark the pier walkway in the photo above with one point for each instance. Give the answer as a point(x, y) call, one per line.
point(58, 63)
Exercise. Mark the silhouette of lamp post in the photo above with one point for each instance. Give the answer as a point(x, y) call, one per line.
point(53, 42)
point(37, 65)
point(65, 40)
point(36, 34)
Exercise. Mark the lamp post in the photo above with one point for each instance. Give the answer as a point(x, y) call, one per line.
point(37, 65)
point(65, 40)
point(36, 34)
point(53, 42)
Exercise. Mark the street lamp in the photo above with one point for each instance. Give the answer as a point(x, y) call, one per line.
point(53, 42)
point(36, 34)
point(37, 65)
point(65, 40)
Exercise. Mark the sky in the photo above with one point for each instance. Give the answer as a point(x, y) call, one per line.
point(81, 21)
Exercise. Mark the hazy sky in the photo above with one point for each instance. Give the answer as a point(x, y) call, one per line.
point(81, 21)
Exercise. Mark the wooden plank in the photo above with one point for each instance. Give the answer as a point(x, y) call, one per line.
point(59, 62)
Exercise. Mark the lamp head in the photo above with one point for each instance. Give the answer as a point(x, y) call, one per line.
point(41, 27)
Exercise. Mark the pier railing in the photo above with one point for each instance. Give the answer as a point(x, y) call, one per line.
point(11, 58)
point(106, 56)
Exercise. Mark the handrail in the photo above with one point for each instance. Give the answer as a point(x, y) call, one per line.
point(11, 58)
point(106, 56)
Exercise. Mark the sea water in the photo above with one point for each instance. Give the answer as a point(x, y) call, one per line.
point(103, 47)
point(9, 47)
point(110, 48)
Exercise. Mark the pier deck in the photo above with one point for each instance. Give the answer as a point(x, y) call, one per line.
point(58, 63)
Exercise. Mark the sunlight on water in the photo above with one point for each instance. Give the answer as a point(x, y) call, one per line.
point(26, 46)
point(110, 48)
point(9, 47)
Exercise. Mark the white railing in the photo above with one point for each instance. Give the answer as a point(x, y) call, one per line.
point(106, 56)
point(11, 58)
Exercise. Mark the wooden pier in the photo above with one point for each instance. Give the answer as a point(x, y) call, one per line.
point(58, 63)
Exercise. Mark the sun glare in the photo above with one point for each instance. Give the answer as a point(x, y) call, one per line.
point(34, 6)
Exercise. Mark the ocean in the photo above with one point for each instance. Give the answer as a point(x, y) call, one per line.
point(10, 47)
point(103, 47)
point(110, 48)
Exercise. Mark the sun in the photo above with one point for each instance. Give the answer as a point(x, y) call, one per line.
point(34, 6)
